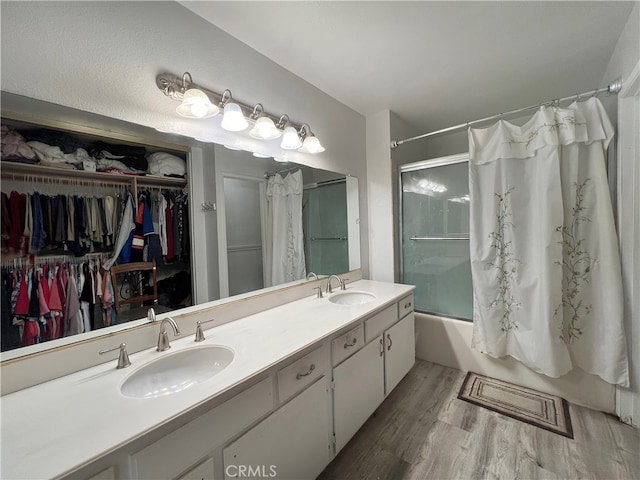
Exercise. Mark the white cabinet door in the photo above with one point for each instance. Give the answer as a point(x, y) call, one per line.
point(292, 442)
point(358, 390)
point(187, 445)
point(204, 471)
point(400, 352)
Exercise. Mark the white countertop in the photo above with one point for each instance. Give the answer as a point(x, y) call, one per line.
point(46, 428)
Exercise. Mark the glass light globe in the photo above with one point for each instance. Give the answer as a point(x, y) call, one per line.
point(290, 139)
point(233, 119)
point(264, 129)
point(196, 104)
point(311, 144)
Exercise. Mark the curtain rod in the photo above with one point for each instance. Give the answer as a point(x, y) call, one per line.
point(613, 89)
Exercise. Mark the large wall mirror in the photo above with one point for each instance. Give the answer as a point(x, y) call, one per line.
point(279, 221)
point(237, 207)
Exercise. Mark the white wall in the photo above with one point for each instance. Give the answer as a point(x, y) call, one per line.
point(407, 153)
point(625, 63)
point(380, 195)
point(103, 57)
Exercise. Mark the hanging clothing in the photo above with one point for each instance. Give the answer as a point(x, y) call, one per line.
point(73, 321)
point(125, 234)
point(285, 245)
point(169, 226)
point(544, 254)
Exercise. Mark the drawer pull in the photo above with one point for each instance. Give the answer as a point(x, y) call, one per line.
point(381, 347)
point(390, 342)
point(347, 345)
point(407, 305)
point(308, 372)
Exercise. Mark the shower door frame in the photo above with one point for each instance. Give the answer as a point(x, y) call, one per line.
point(411, 167)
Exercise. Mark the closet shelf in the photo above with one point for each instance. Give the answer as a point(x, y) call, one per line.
point(21, 171)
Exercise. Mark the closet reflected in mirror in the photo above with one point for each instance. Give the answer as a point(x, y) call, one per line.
point(249, 233)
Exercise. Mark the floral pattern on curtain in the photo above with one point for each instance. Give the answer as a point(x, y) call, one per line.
point(285, 238)
point(544, 253)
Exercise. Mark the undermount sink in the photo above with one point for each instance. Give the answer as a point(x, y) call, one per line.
point(351, 298)
point(176, 372)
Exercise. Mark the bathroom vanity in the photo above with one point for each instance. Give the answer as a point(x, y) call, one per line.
point(303, 378)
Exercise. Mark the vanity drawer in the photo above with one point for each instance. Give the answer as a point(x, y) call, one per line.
point(405, 306)
point(302, 372)
point(346, 345)
point(380, 322)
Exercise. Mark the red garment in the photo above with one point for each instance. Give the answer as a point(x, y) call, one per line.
point(169, 225)
point(42, 303)
point(18, 205)
point(31, 331)
point(55, 302)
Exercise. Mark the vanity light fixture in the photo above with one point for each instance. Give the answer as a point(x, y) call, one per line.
point(233, 119)
point(196, 102)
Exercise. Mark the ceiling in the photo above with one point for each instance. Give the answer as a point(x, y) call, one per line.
point(434, 64)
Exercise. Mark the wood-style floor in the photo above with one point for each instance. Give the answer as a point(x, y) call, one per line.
point(423, 432)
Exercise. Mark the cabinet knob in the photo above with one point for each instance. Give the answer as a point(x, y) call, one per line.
point(407, 305)
point(390, 342)
point(381, 347)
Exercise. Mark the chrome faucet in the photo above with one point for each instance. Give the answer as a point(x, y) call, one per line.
point(163, 337)
point(312, 276)
point(340, 282)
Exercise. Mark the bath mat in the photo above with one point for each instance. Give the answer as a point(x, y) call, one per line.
point(525, 404)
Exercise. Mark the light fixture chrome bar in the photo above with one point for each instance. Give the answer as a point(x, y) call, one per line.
point(438, 238)
point(313, 239)
point(613, 89)
point(174, 87)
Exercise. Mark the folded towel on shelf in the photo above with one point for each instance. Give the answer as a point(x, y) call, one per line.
point(162, 163)
point(14, 147)
point(53, 154)
point(132, 157)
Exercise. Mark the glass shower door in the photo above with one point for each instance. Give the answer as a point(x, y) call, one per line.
point(324, 212)
point(435, 235)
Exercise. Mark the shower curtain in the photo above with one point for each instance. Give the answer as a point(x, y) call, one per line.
point(544, 254)
point(285, 240)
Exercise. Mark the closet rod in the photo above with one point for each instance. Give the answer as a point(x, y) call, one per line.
point(613, 89)
point(47, 179)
